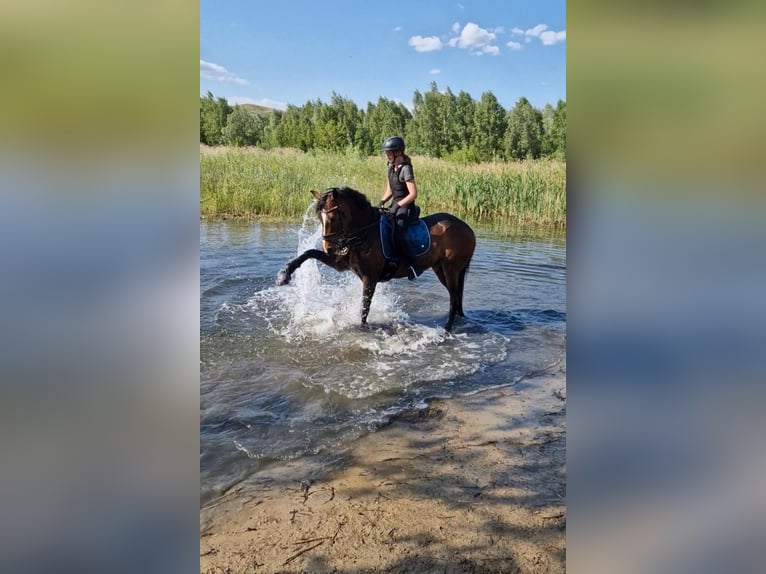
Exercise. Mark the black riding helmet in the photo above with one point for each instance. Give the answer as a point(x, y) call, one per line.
point(393, 144)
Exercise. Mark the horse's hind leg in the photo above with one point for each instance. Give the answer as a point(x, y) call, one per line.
point(452, 282)
point(461, 288)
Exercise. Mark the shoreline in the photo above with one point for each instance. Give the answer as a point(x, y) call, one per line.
point(468, 485)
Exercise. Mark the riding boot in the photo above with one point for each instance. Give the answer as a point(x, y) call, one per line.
point(401, 249)
point(413, 269)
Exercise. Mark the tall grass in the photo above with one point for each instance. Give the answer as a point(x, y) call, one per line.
point(253, 183)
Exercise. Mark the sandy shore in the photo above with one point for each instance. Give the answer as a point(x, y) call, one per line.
point(470, 485)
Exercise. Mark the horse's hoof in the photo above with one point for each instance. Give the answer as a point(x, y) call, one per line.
point(283, 277)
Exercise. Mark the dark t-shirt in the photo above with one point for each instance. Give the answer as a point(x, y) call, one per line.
point(406, 173)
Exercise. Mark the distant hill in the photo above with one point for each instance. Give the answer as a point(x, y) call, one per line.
point(256, 109)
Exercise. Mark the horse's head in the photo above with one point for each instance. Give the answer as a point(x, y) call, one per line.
point(343, 213)
point(330, 213)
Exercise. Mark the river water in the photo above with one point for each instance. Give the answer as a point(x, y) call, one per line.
point(287, 372)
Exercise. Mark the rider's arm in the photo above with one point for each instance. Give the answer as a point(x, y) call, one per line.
point(387, 194)
point(412, 195)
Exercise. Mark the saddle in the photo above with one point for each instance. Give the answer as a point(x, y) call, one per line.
point(417, 238)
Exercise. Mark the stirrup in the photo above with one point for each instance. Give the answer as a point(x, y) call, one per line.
point(411, 273)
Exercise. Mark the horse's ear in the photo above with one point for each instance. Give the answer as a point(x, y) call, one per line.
point(315, 194)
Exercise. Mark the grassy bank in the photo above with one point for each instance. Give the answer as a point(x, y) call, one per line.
point(258, 183)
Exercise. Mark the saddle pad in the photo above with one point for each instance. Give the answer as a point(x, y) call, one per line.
point(417, 238)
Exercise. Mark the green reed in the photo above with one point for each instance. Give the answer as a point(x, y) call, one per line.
point(255, 183)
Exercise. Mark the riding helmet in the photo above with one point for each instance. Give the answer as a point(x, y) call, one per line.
point(393, 144)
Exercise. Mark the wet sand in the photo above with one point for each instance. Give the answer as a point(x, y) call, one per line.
point(473, 485)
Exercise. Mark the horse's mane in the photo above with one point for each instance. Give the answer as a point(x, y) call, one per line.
point(356, 198)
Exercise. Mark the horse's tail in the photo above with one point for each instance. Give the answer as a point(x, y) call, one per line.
point(460, 285)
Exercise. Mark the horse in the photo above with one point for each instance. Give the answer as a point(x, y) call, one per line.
point(351, 240)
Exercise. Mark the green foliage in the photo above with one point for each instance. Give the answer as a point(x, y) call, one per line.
point(489, 126)
point(462, 121)
point(558, 131)
point(382, 120)
point(433, 127)
point(463, 156)
point(554, 142)
point(440, 125)
point(243, 128)
point(212, 119)
point(523, 138)
point(271, 130)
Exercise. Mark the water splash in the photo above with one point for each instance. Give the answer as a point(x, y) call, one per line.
point(320, 302)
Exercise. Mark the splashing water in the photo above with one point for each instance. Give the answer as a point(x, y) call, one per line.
point(319, 301)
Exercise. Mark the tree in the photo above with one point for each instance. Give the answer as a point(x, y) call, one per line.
point(558, 131)
point(462, 123)
point(429, 126)
point(289, 130)
point(271, 129)
point(554, 142)
point(547, 146)
point(328, 134)
point(440, 125)
point(348, 118)
point(212, 116)
point(523, 138)
point(489, 125)
point(382, 120)
point(242, 128)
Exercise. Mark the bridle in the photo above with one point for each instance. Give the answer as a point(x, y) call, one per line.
point(344, 242)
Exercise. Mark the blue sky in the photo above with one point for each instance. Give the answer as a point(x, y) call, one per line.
point(276, 53)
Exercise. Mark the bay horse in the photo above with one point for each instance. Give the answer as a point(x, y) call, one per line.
point(351, 240)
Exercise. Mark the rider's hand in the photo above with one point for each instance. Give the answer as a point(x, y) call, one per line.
point(381, 203)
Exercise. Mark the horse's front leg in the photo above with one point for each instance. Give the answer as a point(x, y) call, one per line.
point(284, 276)
point(368, 290)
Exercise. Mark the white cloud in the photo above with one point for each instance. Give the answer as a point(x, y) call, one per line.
point(473, 36)
point(266, 102)
point(549, 38)
point(211, 71)
point(434, 72)
point(456, 27)
point(514, 45)
point(537, 30)
point(398, 29)
point(476, 40)
point(517, 31)
point(427, 44)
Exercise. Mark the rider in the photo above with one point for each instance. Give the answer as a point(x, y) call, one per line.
point(401, 186)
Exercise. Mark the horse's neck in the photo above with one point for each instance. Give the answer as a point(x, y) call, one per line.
point(367, 218)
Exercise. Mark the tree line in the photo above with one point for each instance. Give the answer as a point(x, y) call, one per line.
point(440, 125)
